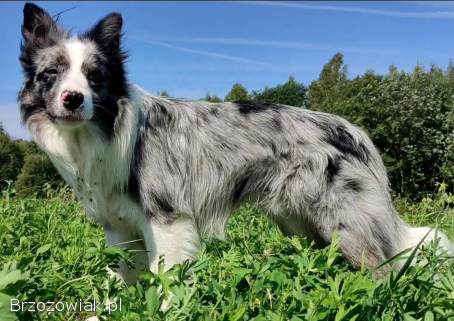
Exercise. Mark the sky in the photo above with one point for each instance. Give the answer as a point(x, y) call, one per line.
point(190, 49)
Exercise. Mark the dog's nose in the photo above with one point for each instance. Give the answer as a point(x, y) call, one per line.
point(72, 99)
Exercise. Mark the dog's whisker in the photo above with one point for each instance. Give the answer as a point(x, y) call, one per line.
point(139, 251)
point(128, 242)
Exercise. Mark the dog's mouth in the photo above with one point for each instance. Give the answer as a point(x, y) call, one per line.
point(68, 119)
point(71, 118)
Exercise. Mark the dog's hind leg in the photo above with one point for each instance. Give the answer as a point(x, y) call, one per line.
point(364, 239)
point(176, 241)
point(367, 224)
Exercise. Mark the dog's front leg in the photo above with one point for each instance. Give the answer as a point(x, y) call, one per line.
point(130, 241)
point(177, 241)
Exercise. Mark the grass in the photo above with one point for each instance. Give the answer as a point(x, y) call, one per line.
point(50, 251)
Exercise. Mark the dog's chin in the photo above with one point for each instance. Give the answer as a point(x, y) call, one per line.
point(70, 121)
point(73, 120)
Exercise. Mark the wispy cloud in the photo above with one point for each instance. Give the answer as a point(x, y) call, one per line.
point(201, 52)
point(279, 44)
point(234, 69)
point(448, 4)
point(360, 10)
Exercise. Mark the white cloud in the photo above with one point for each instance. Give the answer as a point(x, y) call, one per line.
point(449, 4)
point(360, 10)
point(200, 52)
point(280, 44)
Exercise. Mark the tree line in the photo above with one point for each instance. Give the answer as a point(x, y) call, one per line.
point(408, 115)
point(25, 167)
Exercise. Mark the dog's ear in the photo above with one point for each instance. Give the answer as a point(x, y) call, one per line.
point(38, 28)
point(107, 32)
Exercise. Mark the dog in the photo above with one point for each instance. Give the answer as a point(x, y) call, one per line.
point(159, 173)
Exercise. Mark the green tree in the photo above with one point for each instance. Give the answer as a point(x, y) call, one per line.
point(450, 71)
point(36, 172)
point(28, 147)
point(11, 159)
point(328, 89)
point(290, 93)
point(237, 93)
point(212, 98)
point(163, 93)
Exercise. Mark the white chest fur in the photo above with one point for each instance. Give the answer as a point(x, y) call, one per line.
point(96, 168)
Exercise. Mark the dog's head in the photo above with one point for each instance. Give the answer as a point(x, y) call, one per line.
point(71, 80)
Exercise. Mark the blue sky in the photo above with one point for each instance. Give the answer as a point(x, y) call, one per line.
point(191, 48)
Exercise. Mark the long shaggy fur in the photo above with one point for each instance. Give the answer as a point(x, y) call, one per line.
point(167, 171)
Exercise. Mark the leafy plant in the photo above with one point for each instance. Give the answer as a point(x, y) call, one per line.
point(255, 274)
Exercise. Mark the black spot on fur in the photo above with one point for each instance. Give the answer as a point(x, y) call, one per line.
point(106, 115)
point(249, 107)
point(162, 203)
point(203, 115)
point(163, 109)
point(273, 148)
point(333, 167)
point(279, 152)
point(228, 146)
point(285, 155)
point(294, 171)
point(340, 138)
point(277, 123)
point(133, 182)
point(251, 179)
point(309, 165)
point(158, 117)
point(133, 188)
point(240, 186)
point(353, 185)
point(214, 111)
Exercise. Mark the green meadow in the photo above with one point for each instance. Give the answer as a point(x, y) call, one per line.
point(51, 252)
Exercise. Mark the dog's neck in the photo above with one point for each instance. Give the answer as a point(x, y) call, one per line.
point(85, 157)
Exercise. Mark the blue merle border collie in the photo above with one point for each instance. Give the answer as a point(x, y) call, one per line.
point(167, 171)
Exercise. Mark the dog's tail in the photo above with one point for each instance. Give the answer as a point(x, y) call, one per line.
point(412, 236)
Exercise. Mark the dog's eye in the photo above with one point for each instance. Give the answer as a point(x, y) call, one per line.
point(95, 77)
point(51, 71)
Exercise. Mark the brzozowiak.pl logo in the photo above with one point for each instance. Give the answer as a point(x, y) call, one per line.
point(92, 305)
